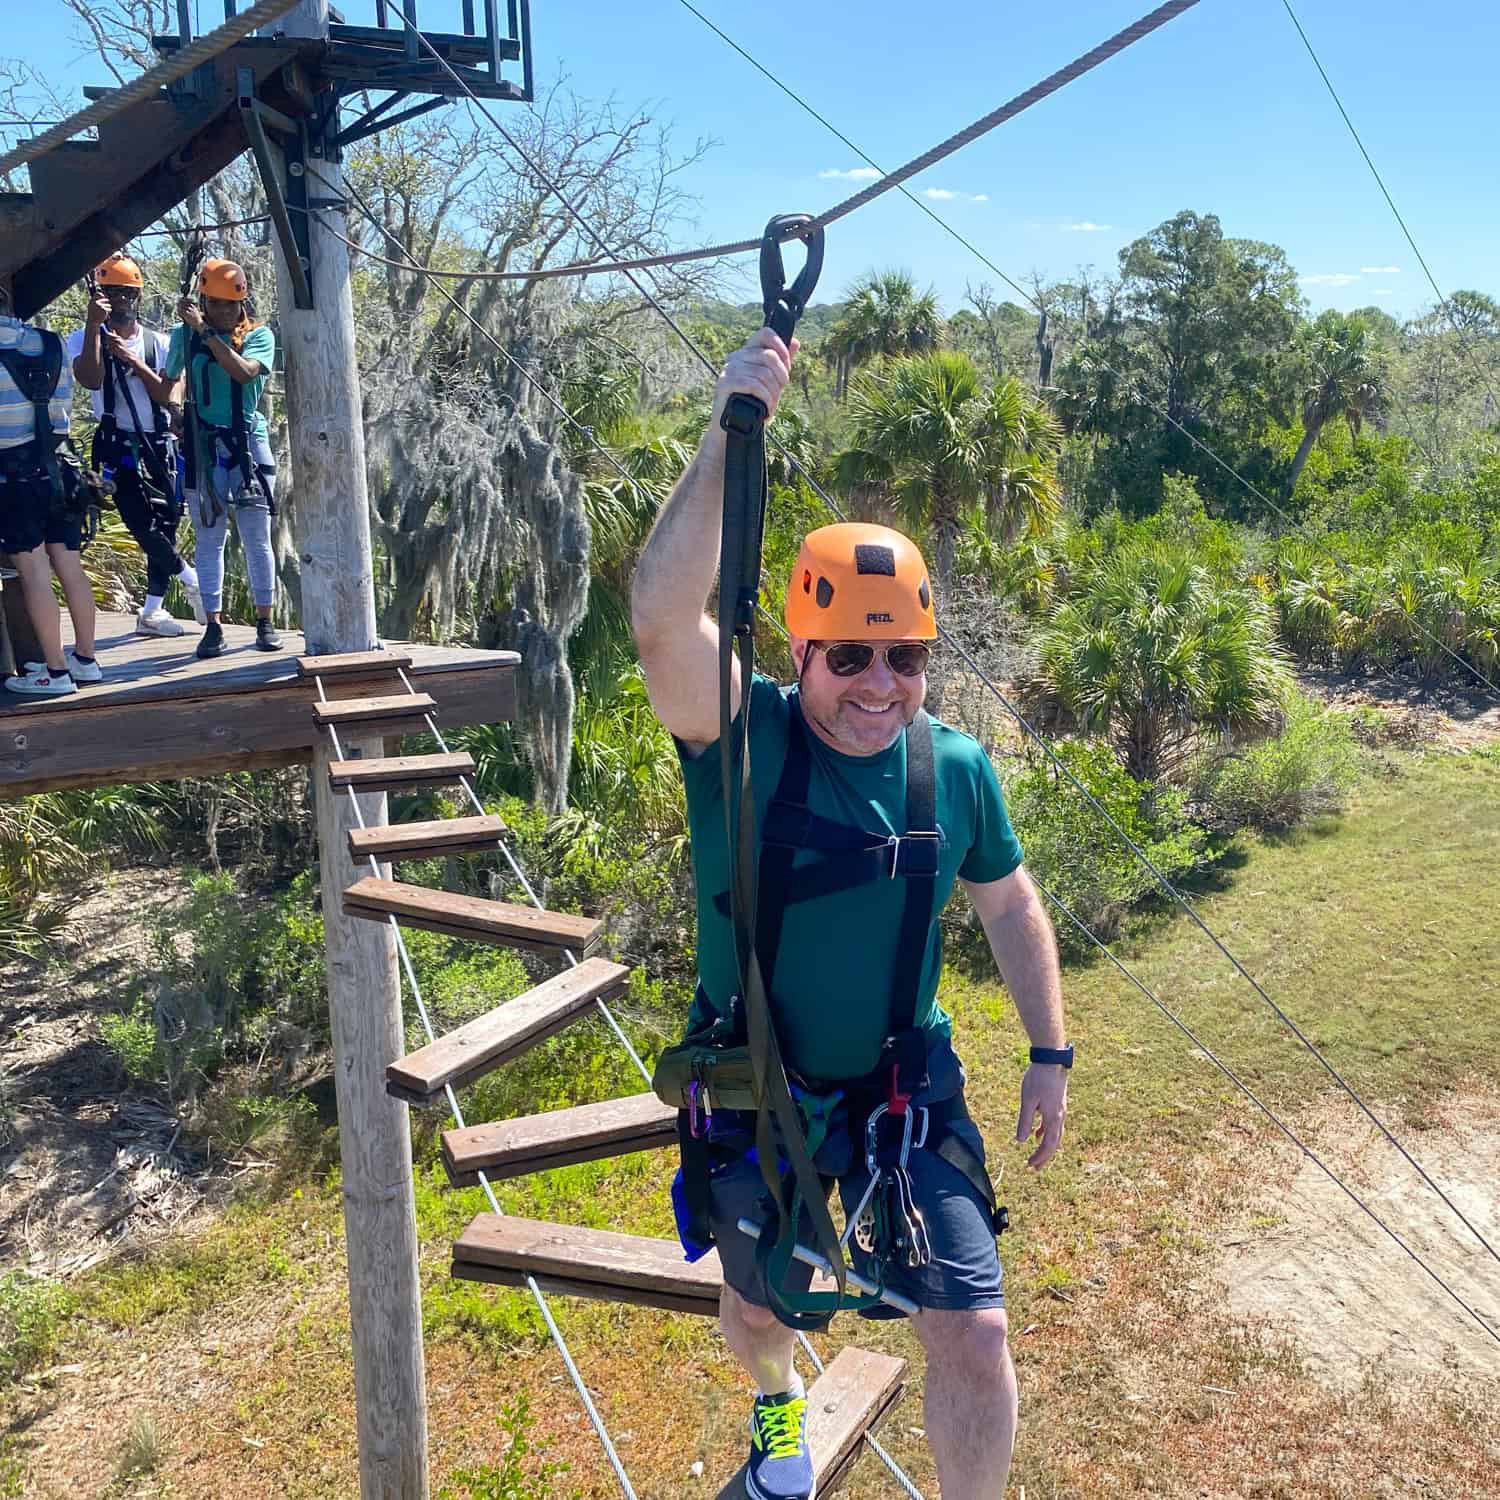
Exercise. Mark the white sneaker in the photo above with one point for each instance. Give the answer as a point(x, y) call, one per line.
point(83, 671)
point(195, 598)
point(158, 622)
point(38, 682)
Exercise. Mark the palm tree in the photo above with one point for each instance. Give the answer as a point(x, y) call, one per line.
point(884, 317)
point(1346, 377)
point(1155, 651)
point(932, 440)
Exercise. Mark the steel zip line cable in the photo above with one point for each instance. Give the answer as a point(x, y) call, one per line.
point(1050, 85)
point(416, 269)
point(1059, 767)
point(1385, 192)
point(1031, 297)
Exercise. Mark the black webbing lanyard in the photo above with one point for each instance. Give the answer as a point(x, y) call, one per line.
point(744, 424)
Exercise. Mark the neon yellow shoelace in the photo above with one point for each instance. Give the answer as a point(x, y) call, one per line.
point(778, 1429)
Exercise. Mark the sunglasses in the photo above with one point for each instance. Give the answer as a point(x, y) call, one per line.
point(850, 658)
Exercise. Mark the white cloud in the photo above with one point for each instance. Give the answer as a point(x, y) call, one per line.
point(948, 195)
point(854, 174)
point(1380, 270)
point(1329, 278)
point(1087, 226)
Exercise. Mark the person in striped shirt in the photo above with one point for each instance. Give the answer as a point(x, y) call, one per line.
point(41, 504)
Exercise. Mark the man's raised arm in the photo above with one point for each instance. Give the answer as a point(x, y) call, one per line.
point(677, 642)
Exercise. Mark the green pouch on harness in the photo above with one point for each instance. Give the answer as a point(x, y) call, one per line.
point(696, 1075)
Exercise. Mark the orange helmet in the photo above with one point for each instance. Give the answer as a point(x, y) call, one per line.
point(120, 270)
point(223, 279)
point(857, 582)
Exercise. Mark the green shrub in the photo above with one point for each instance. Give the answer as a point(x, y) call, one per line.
point(1306, 770)
point(133, 1040)
point(32, 1311)
point(1074, 852)
point(522, 1473)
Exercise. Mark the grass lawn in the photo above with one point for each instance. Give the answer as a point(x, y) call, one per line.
point(1375, 931)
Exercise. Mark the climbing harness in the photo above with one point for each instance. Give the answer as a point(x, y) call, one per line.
point(735, 1062)
point(149, 452)
point(225, 449)
point(48, 461)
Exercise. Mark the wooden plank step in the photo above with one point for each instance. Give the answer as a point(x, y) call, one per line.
point(512, 1148)
point(581, 1262)
point(472, 917)
point(481, 1045)
point(424, 839)
point(848, 1400)
point(351, 663)
point(394, 773)
point(370, 710)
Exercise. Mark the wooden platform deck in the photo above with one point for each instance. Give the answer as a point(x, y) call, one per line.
point(160, 713)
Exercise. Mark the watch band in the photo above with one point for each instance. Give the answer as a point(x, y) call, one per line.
point(1061, 1056)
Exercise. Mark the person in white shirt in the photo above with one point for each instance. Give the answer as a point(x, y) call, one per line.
point(44, 504)
point(121, 362)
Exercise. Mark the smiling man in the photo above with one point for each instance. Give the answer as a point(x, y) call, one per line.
point(838, 762)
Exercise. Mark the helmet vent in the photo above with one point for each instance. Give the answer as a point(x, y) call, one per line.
point(872, 558)
point(806, 581)
point(825, 593)
point(924, 595)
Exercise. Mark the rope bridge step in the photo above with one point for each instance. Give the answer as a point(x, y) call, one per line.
point(472, 917)
point(351, 664)
point(422, 840)
point(844, 1404)
point(362, 712)
point(595, 1263)
point(398, 773)
point(483, 1044)
point(587, 1132)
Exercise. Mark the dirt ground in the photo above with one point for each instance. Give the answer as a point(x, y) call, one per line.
point(1456, 719)
point(1329, 1278)
point(88, 1166)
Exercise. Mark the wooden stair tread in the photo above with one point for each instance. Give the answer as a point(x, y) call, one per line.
point(367, 710)
point(849, 1399)
point(472, 917)
point(587, 1263)
point(422, 839)
point(393, 772)
point(586, 1132)
point(481, 1045)
point(351, 663)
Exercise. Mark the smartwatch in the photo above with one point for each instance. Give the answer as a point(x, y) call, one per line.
point(1061, 1056)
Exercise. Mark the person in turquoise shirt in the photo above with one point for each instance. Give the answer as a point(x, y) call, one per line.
point(224, 358)
point(853, 705)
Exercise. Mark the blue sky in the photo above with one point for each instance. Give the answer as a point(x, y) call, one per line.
point(1220, 111)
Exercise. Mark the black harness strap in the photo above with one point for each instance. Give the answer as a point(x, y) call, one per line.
point(743, 526)
point(145, 450)
point(36, 377)
point(239, 428)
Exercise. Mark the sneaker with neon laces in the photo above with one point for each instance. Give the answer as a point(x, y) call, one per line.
point(39, 681)
point(158, 622)
point(80, 670)
point(780, 1465)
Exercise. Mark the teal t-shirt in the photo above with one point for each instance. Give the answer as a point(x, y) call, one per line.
point(212, 388)
point(831, 991)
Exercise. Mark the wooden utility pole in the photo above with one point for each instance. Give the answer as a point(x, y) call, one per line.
point(364, 993)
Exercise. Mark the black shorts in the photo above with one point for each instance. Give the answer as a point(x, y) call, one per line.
point(964, 1272)
point(29, 515)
